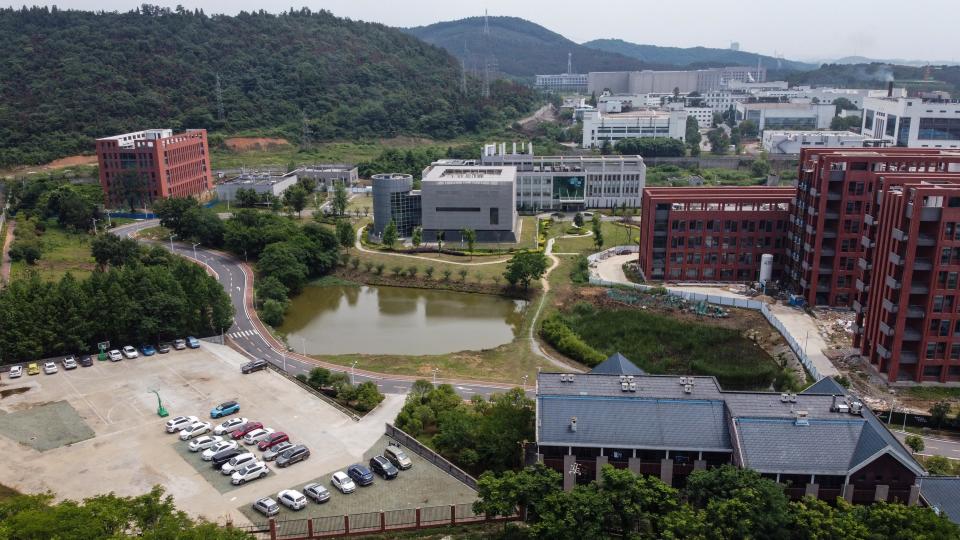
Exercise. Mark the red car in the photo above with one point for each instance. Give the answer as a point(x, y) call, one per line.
point(272, 440)
point(247, 428)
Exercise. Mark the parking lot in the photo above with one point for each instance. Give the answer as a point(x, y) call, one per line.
point(130, 452)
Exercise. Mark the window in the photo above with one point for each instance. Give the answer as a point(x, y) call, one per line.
point(868, 119)
point(939, 129)
point(494, 216)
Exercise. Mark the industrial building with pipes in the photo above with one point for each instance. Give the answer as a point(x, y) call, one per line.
point(570, 183)
point(261, 183)
point(790, 142)
point(803, 115)
point(912, 122)
point(821, 442)
point(714, 234)
point(649, 81)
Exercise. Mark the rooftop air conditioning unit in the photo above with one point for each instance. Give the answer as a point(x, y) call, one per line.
point(630, 378)
point(784, 398)
point(683, 380)
point(793, 398)
point(856, 408)
point(573, 424)
point(633, 387)
point(624, 386)
point(688, 389)
point(623, 378)
point(843, 408)
point(801, 418)
point(570, 377)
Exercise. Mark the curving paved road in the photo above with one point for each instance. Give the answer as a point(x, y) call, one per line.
point(253, 339)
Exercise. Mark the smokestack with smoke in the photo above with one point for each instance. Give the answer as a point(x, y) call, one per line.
point(890, 89)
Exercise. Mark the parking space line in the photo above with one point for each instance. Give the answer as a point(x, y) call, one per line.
point(85, 400)
point(184, 379)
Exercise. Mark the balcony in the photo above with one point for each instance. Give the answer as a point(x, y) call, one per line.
point(807, 247)
point(864, 264)
point(915, 312)
point(882, 352)
point(895, 259)
point(861, 286)
point(899, 235)
point(885, 329)
point(868, 219)
point(827, 252)
point(926, 240)
point(911, 334)
point(805, 265)
point(825, 270)
point(922, 264)
point(804, 283)
point(828, 234)
point(825, 288)
point(919, 288)
point(831, 214)
point(890, 307)
point(833, 196)
point(866, 242)
point(837, 176)
point(908, 357)
point(812, 211)
point(813, 191)
point(892, 283)
point(926, 213)
point(810, 230)
point(858, 307)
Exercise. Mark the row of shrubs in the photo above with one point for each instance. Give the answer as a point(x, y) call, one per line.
point(408, 272)
point(556, 332)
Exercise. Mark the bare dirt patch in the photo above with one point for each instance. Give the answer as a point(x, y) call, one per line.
point(47, 426)
point(245, 144)
point(62, 163)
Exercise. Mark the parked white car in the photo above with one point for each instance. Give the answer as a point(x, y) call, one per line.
point(179, 422)
point(248, 472)
point(292, 499)
point(115, 355)
point(236, 462)
point(257, 435)
point(69, 363)
point(130, 352)
point(343, 482)
point(208, 454)
point(16, 371)
point(195, 429)
point(229, 426)
point(266, 506)
point(202, 443)
point(50, 368)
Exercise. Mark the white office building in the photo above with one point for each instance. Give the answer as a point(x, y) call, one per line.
point(704, 115)
point(570, 183)
point(787, 116)
point(790, 142)
point(912, 122)
point(562, 82)
point(722, 100)
point(599, 127)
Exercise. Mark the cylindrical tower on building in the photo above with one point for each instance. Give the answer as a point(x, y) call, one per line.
point(387, 188)
point(766, 268)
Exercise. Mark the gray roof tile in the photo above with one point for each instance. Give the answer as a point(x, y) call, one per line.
point(942, 493)
point(617, 364)
point(826, 385)
point(779, 445)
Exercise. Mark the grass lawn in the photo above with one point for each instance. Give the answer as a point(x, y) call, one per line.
point(933, 393)
point(484, 273)
point(335, 152)
point(660, 344)
point(155, 233)
point(62, 252)
point(614, 234)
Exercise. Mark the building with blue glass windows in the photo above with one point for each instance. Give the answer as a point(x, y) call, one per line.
point(912, 122)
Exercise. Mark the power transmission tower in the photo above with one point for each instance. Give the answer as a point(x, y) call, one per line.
point(463, 69)
point(305, 135)
point(489, 60)
point(219, 100)
point(569, 63)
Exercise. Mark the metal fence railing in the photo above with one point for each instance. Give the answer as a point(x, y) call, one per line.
point(372, 523)
point(725, 301)
point(418, 448)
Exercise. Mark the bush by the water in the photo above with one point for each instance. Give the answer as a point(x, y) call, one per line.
point(659, 344)
point(559, 335)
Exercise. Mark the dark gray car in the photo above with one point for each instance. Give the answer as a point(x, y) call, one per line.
point(293, 455)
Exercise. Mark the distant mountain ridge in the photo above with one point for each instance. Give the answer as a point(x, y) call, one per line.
point(896, 61)
point(695, 57)
point(521, 48)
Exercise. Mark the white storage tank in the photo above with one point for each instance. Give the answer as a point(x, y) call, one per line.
point(766, 268)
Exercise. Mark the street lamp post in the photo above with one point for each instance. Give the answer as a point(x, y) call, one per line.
point(172, 236)
point(435, 371)
point(284, 354)
point(352, 368)
point(195, 251)
point(525, 377)
point(95, 220)
point(805, 341)
point(303, 342)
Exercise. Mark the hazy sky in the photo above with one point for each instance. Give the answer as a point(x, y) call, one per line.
point(809, 29)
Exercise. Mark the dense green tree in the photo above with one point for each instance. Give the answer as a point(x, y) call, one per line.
point(246, 198)
point(606, 148)
point(760, 167)
point(739, 503)
point(109, 249)
point(345, 233)
point(417, 237)
point(390, 235)
point(939, 412)
point(651, 146)
point(597, 228)
point(27, 250)
point(914, 442)
point(719, 141)
point(340, 199)
point(938, 465)
point(845, 123)
point(295, 198)
point(285, 262)
point(470, 236)
point(270, 288)
point(272, 312)
point(578, 219)
point(171, 212)
point(525, 267)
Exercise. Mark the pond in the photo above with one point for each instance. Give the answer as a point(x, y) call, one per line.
point(397, 320)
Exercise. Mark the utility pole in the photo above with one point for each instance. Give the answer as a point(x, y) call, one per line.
point(95, 220)
point(172, 236)
point(569, 63)
point(195, 251)
point(353, 367)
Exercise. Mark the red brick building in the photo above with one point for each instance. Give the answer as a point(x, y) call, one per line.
point(835, 199)
point(712, 234)
point(136, 168)
point(908, 321)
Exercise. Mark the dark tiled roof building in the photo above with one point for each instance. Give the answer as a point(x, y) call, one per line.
point(820, 442)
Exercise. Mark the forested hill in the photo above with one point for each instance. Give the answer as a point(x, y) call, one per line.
point(694, 56)
point(521, 48)
point(67, 77)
